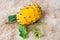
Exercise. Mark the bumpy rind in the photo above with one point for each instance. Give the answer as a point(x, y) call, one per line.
point(29, 14)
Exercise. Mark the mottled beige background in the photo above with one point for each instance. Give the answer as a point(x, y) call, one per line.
point(51, 18)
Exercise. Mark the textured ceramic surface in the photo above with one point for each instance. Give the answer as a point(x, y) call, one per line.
point(51, 18)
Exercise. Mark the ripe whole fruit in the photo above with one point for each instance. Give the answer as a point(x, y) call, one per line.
point(29, 15)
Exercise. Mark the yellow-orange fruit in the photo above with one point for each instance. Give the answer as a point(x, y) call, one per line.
point(29, 14)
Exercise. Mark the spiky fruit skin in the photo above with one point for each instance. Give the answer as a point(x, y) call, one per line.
point(29, 14)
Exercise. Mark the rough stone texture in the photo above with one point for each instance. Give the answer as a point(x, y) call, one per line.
point(51, 17)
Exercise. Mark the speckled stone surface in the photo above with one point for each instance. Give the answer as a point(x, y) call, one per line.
point(51, 18)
